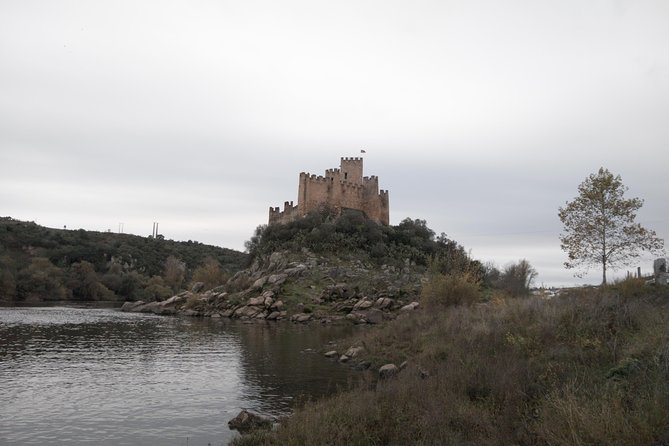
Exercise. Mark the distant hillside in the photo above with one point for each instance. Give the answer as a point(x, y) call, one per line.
point(39, 263)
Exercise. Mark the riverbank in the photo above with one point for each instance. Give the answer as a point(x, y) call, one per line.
point(587, 367)
point(301, 287)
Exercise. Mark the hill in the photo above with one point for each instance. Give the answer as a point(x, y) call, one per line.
point(328, 267)
point(39, 263)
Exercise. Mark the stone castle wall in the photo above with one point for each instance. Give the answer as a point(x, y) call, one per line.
point(343, 188)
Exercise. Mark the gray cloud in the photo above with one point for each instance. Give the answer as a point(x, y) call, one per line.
point(481, 117)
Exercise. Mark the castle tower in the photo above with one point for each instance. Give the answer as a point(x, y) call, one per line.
point(351, 170)
point(339, 189)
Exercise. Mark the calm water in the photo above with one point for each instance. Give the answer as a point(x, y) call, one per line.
point(99, 376)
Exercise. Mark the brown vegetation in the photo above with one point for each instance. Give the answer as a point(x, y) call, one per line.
point(589, 367)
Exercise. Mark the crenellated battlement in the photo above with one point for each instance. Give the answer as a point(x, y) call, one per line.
point(340, 188)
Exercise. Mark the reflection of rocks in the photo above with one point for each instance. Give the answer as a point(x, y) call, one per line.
point(247, 421)
point(295, 286)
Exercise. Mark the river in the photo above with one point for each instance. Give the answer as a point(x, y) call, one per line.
point(99, 376)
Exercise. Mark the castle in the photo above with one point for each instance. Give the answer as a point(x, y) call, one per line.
point(339, 189)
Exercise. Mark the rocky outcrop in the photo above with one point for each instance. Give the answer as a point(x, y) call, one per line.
point(300, 287)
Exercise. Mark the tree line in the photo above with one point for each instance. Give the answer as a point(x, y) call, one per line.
point(40, 264)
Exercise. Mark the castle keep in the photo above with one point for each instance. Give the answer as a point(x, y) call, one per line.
point(339, 189)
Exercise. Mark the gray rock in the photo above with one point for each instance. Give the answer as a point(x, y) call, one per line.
point(259, 283)
point(344, 358)
point(151, 307)
point(295, 270)
point(300, 317)
point(352, 352)
point(197, 287)
point(331, 354)
point(363, 304)
point(247, 311)
point(278, 305)
point(274, 315)
point(276, 279)
point(383, 303)
point(387, 371)
point(131, 306)
point(247, 421)
point(410, 307)
point(277, 261)
point(256, 301)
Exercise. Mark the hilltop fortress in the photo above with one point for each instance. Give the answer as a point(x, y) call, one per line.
point(339, 189)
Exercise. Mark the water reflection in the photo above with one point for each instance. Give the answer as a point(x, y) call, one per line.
point(98, 376)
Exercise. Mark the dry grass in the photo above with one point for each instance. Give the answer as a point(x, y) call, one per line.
point(589, 368)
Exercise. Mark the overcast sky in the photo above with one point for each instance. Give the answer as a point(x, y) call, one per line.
point(481, 117)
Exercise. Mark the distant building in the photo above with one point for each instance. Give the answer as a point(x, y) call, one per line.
point(339, 189)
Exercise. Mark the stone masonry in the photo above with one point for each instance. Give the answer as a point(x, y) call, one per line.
point(339, 189)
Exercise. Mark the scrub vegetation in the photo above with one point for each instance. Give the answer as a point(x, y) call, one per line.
point(588, 367)
point(43, 264)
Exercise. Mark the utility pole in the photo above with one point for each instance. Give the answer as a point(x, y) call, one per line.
point(120, 228)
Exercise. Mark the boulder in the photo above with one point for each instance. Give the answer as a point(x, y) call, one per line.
point(410, 307)
point(247, 421)
point(256, 301)
point(274, 315)
point(276, 261)
point(387, 371)
point(131, 306)
point(383, 302)
point(278, 305)
point(247, 311)
point(300, 317)
point(276, 279)
point(363, 304)
point(295, 270)
point(174, 300)
point(354, 351)
point(151, 307)
point(331, 354)
point(197, 287)
point(258, 284)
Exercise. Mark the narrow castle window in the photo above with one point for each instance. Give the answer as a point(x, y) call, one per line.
point(345, 175)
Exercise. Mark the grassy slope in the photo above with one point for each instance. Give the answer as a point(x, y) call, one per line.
point(588, 368)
